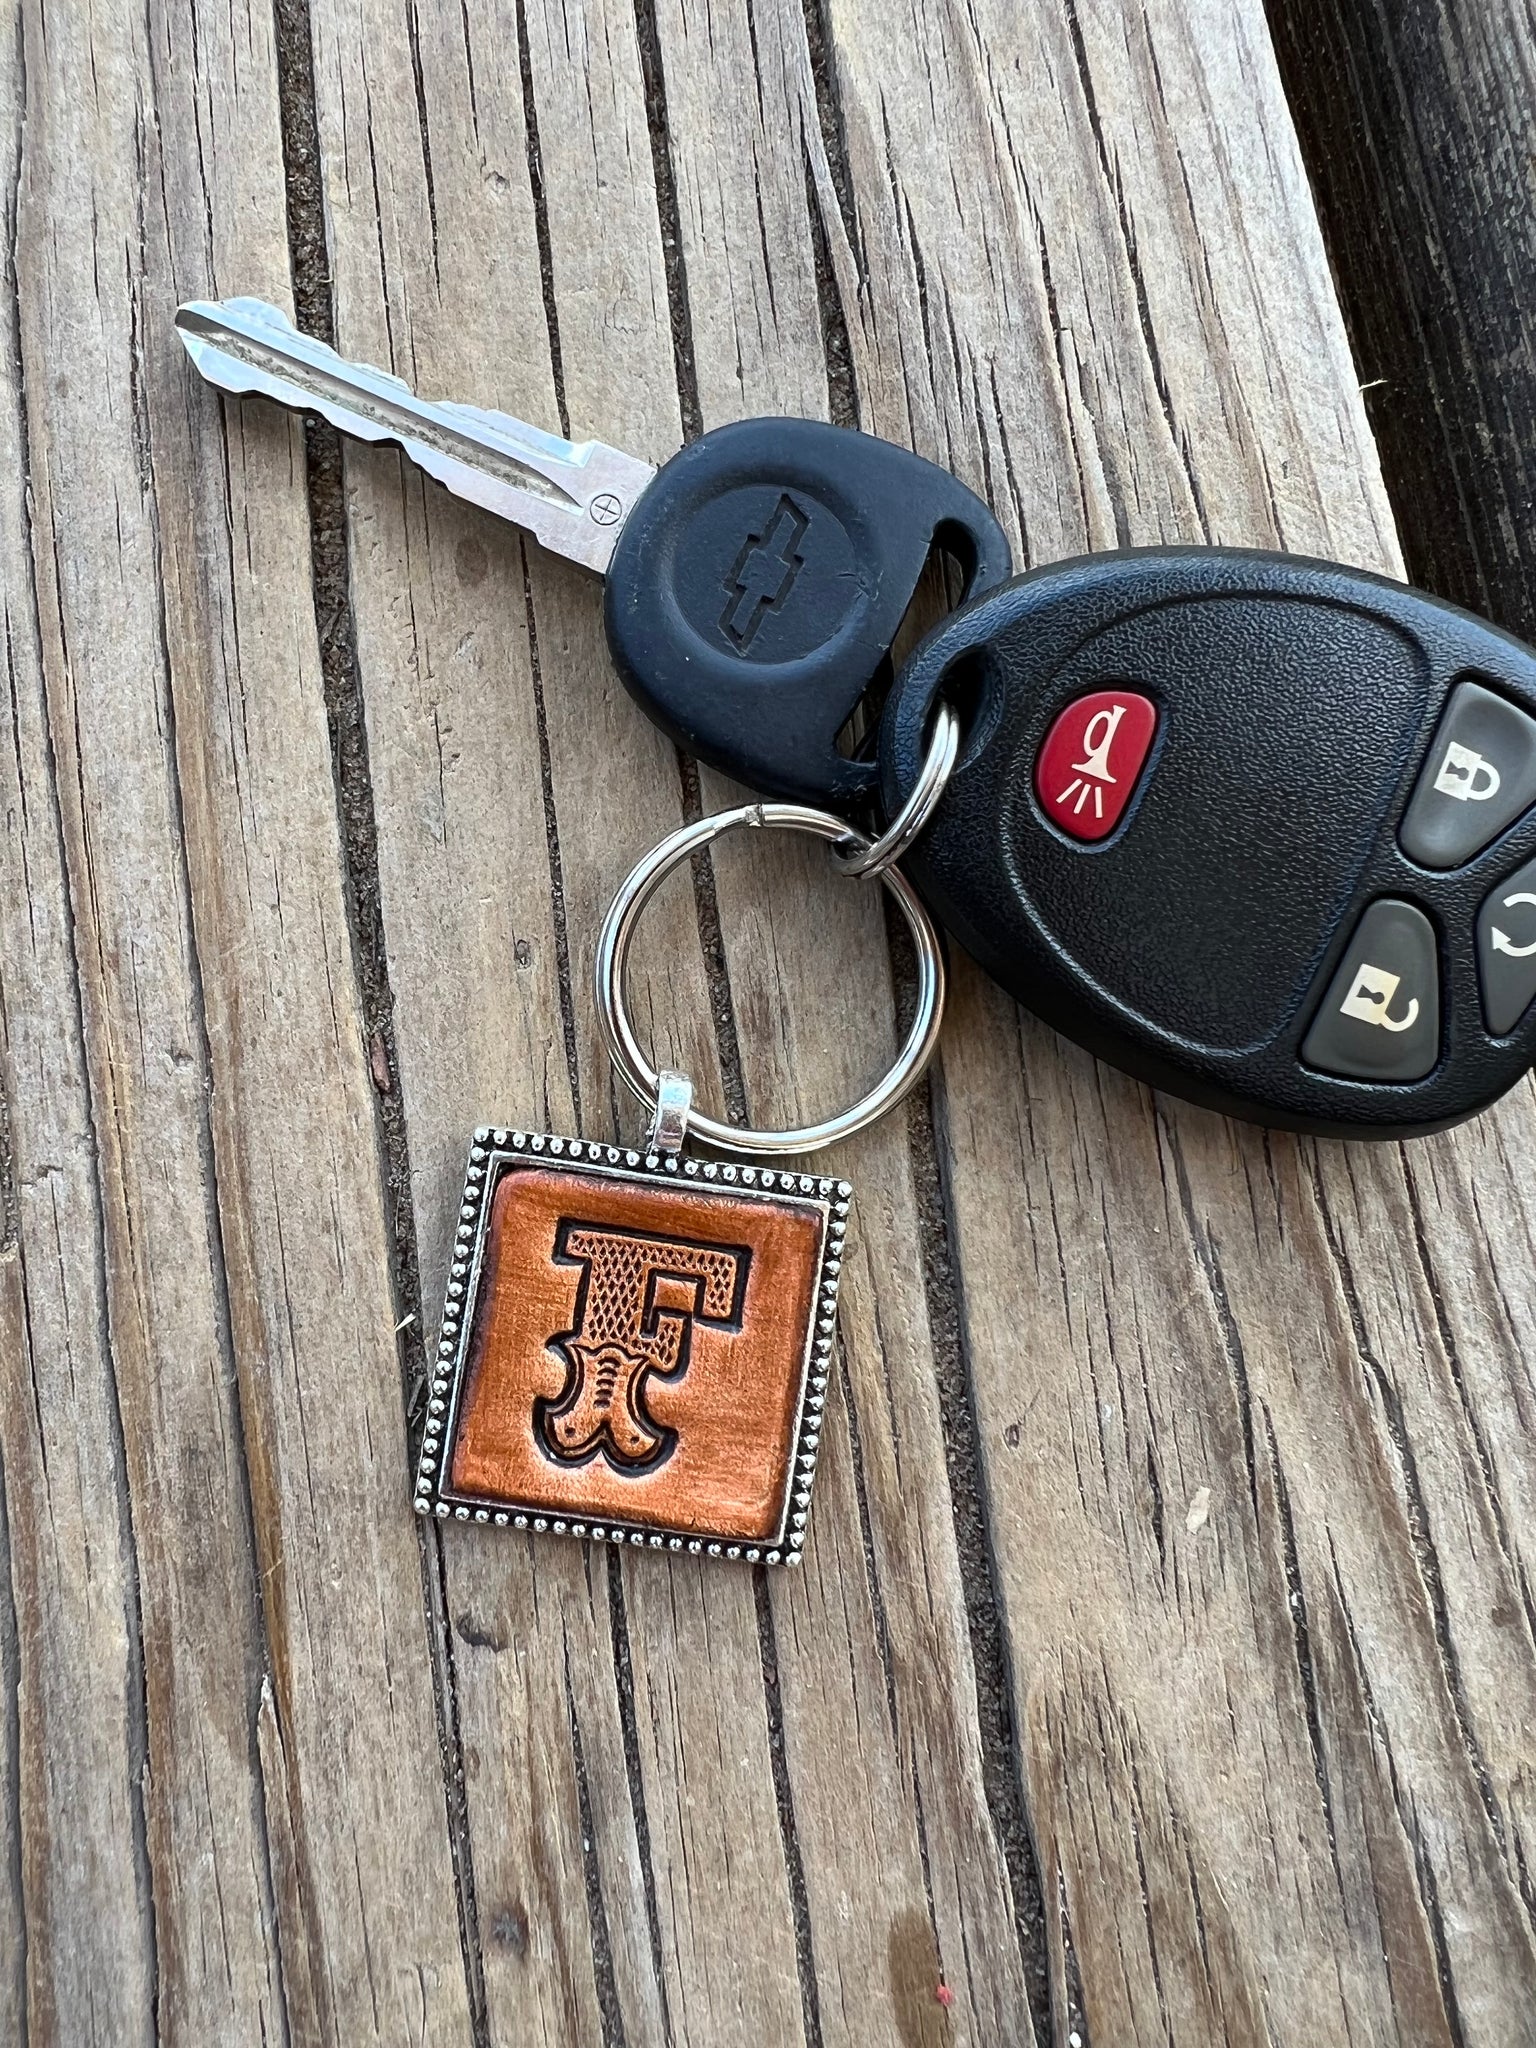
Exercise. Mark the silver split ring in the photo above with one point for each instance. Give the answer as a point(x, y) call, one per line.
point(856, 856)
point(618, 932)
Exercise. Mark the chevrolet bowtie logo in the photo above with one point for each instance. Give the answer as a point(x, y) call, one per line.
point(764, 573)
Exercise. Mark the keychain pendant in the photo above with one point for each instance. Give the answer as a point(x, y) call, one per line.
point(636, 1345)
point(635, 1348)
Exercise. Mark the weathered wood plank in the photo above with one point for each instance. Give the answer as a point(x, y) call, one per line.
point(1419, 126)
point(232, 1801)
point(1253, 1417)
point(1309, 467)
point(68, 1595)
point(133, 1663)
point(455, 745)
point(813, 1011)
point(497, 653)
point(727, 1831)
point(1197, 1671)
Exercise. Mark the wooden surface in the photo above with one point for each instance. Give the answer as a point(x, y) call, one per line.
point(1419, 121)
point(1162, 1665)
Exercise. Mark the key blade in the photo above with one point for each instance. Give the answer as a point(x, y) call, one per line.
point(572, 497)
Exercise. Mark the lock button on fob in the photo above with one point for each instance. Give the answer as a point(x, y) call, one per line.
point(1479, 776)
point(1380, 1020)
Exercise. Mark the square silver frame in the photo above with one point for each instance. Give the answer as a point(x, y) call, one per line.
point(494, 1150)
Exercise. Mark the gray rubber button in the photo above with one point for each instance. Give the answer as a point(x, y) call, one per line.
point(1506, 950)
point(1479, 777)
point(1380, 1020)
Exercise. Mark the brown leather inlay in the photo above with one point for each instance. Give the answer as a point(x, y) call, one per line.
point(637, 1352)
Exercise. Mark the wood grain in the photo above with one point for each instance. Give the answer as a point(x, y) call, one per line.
point(1160, 1663)
point(457, 825)
point(812, 1009)
point(230, 1801)
point(1191, 1318)
point(1419, 120)
point(711, 1803)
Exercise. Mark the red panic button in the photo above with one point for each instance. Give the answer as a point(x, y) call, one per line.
point(1092, 760)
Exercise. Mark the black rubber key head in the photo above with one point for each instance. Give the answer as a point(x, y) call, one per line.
point(1214, 888)
point(759, 583)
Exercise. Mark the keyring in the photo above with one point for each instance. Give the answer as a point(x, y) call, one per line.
point(637, 1345)
point(618, 932)
point(860, 858)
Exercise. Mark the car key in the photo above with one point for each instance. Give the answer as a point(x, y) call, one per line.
point(1259, 830)
point(754, 583)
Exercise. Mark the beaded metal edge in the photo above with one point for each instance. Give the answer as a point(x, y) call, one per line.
point(489, 1147)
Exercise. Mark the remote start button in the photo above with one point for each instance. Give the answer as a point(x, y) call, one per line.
point(1092, 759)
point(1480, 775)
point(1380, 1020)
point(1506, 950)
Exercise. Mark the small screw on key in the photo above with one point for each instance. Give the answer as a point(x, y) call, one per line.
point(755, 582)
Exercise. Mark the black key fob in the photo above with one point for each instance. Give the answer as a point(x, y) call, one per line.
point(758, 585)
point(1259, 830)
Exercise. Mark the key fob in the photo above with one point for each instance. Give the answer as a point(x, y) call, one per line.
point(1259, 830)
point(758, 585)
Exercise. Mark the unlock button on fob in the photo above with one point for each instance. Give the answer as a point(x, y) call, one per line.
point(1380, 1020)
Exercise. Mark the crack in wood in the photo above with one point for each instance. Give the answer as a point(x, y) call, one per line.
point(552, 842)
point(1220, 1298)
point(836, 341)
point(597, 1911)
point(10, 1771)
point(832, 121)
point(712, 945)
point(245, 1502)
point(655, 87)
point(871, 1563)
point(10, 1205)
point(346, 722)
point(1001, 1750)
point(413, 33)
point(625, 1688)
point(1455, 1366)
point(1301, 1639)
point(1073, 2009)
point(1426, 1888)
point(541, 220)
point(135, 1696)
point(783, 1790)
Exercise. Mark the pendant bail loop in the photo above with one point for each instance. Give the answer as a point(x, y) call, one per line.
point(669, 1120)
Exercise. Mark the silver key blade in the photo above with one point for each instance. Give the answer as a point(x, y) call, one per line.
point(572, 497)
